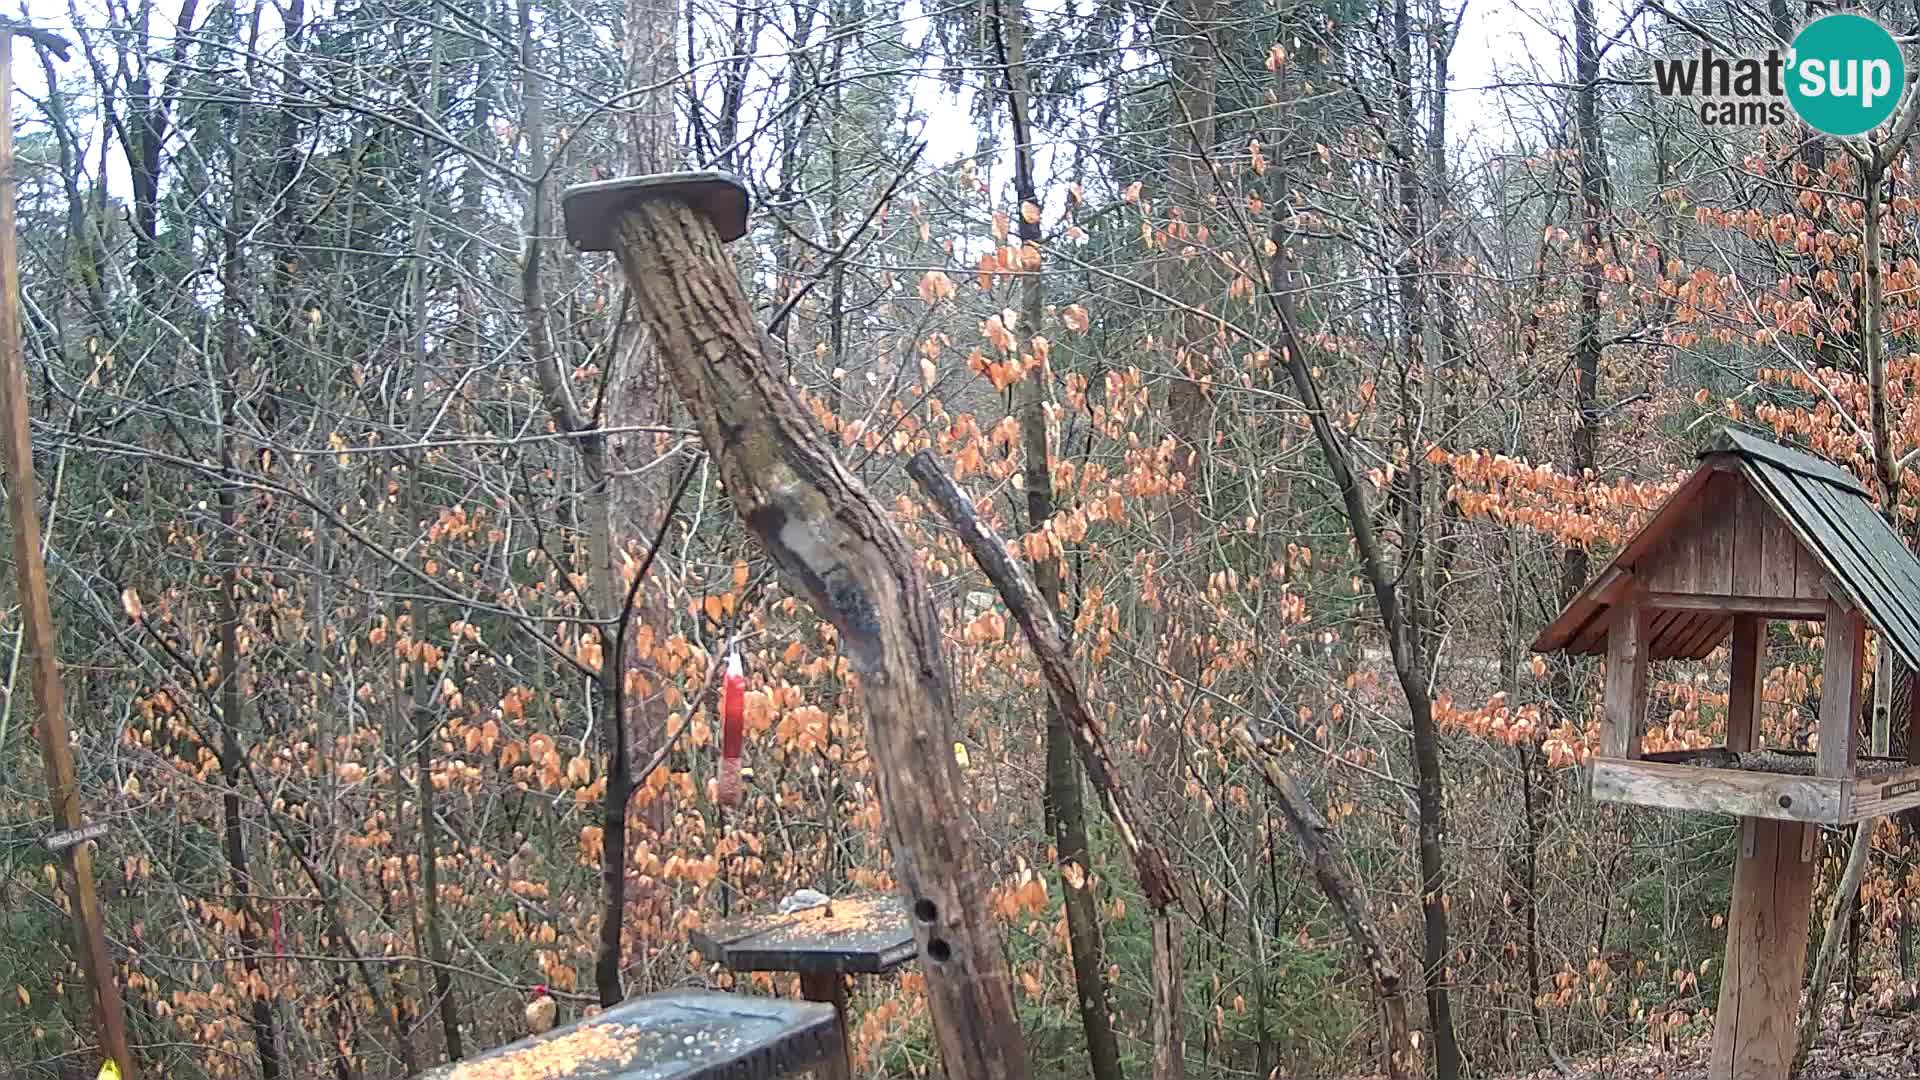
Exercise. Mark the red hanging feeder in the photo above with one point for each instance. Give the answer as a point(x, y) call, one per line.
point(733, 715)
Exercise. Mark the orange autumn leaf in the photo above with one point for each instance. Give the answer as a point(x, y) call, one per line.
point(935, 286)
point(996, 332)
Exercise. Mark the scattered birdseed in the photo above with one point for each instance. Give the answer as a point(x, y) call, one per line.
point(551, 1059)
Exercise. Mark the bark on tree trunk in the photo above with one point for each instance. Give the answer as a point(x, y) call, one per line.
point(232, 696)
point(1400, 1058)
point(1417, 612)
point(425, 727)
point(1194, 69)
point(1399, 619)
point(631, 501)
point(1065, 809)
point(602, 591)
point(1575, 565)
point(1836, 921)
point(835, 545)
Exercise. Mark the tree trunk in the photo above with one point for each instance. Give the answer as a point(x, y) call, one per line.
point(1194, 66)
point(1399, 1057)
point(1065, 810)
point(232, 695)
point(627, 509)
point(426, 729)
point(1575, 564)
point(1417, 611)
point(837, 546)
point(1836, 921)
point(602, 592)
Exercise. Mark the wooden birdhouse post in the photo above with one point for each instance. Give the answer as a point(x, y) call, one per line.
point(1759, 532)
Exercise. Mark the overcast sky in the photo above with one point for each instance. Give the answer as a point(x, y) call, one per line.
point(1498, 39)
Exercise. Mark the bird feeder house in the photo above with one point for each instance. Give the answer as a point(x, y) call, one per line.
point(1758, 532)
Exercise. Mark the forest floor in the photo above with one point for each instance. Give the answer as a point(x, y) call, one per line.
point(1875, 1048)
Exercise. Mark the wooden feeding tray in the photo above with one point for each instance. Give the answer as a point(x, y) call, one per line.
point(860, 935)
point(1777, 784)
point(855, 935)
point(681, 1034)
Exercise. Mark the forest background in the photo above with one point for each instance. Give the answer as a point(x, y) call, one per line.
point(347, 458)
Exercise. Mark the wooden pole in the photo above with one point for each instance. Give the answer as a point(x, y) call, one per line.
point(1754, 1031)
point(1622, 720)
point(830, 987)
point(1745, 682)
point(56, 743)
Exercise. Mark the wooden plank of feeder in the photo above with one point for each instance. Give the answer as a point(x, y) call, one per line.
point(1880, 796)
point(679, 1034)
point(1745, 680)
point(1840, 670)
point(1774, 796)
point(1670, 565)
point(1746, 517)
point(866, 935)
point(1810, 579)
point(1805, 529)
point(1753, 1034)
point(1913, 718)
point(1778, 607)
point(1780, 557)
point(1714, 547)
point(1626, 689)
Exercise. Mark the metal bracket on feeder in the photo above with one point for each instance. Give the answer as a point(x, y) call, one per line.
point(61, 841)
point(593, 210)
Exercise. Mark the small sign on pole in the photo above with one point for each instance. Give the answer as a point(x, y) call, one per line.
point(61, 841)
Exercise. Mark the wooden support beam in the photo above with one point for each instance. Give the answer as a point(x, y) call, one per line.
point(1774, 796)
point(1753, 1033)
point(1778, 607)
point(830, 988)
point(1744, 681)
point(1880, 737)
point(1840, 670)
point(1626, 690)
point(1913, 717)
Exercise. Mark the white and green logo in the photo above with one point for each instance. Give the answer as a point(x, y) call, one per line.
point(1847, 74)
point(1844, 75)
